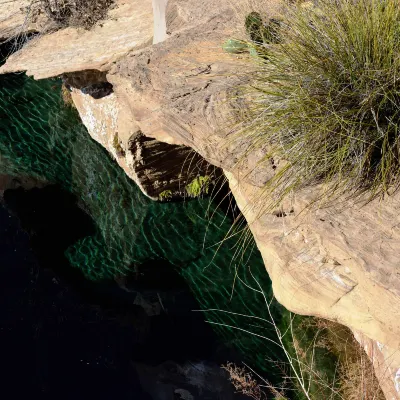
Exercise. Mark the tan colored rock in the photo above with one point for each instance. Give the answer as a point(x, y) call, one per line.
point(185, 15)
point(155, 166)
point(15, 21)
point(129, 26)
point(339, 264)
point(386, 362)
point(177, 92)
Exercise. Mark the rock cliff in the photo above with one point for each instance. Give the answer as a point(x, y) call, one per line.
point(162, 170)
point(340, 263)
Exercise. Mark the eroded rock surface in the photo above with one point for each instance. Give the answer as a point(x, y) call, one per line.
point(178, 91)
point(155, 166)
point(340, 263)
point(336, 263)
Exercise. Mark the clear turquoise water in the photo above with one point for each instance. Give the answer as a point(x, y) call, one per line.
point(40, 137)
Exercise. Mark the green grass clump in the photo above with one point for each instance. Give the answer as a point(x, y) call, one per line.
point(334, 363)
point(326, 98)
point(165, 195)
point(198, 186)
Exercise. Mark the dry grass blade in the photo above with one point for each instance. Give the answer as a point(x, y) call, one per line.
point(323, 360)
point(243, 381)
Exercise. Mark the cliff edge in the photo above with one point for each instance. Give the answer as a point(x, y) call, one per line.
point(171, 84)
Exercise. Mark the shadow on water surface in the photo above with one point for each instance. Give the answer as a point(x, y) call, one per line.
point(55, 222)
point(113, 246)
point(95, 328)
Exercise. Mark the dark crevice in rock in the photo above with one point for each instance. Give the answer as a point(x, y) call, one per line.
point(161, 166)
point(283, 213)
point(98, 90)
point(91, 82)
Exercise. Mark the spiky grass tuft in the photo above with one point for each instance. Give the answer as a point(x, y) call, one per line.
point(326, 100)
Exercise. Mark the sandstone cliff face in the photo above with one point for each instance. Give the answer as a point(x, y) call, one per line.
point(154, 165)
point(177, 92)
point(334, 262)
point(340, 263)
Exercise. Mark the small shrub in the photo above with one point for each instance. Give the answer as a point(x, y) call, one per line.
point(243, 381)
point(77, 13)
point(198, 186)
point(258, 32)
point(326, 100)
point(117, 146)
point(166, 195)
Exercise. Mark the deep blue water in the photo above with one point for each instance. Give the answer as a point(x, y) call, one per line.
point(92, 226)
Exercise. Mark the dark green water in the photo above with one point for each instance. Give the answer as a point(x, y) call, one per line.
point(41, 138)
